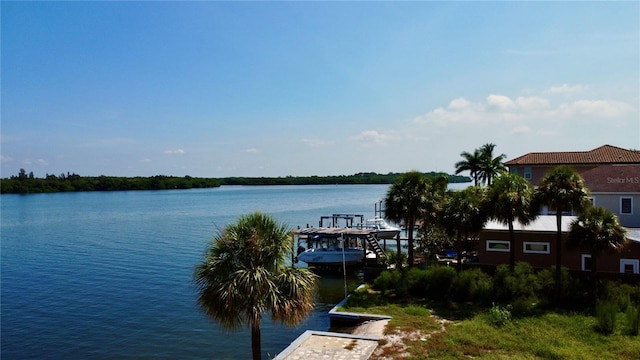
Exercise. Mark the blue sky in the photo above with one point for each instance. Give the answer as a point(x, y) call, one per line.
point(221, 89)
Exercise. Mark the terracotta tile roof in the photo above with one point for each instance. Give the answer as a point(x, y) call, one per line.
point(605, 154)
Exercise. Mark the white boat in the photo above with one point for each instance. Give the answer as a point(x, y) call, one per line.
point(324, 245)
point(332, 256)
point(382, 229)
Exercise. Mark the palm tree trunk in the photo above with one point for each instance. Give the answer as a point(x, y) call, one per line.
point(411, 225)
point(512, 248)
point(459, 250)
point(399, 253)
point(558, 287)
point(255, 340)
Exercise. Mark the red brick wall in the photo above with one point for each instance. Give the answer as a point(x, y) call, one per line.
point(572, 259)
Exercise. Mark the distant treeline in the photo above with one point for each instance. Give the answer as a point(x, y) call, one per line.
point(28, 184)
point(360, 178)
point(25, 183)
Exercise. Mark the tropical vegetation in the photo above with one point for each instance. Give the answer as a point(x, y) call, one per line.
point(562, 189)
point(244, 276)
point(482, 165)
point(505, 314)
point(27, 183)
point(404, 203)
point(509, 199)
point(597, 230)
point(462, 217)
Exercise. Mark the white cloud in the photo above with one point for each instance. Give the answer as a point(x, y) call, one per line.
point(595, 108)
point(145, 160)
point(500, 101)
point(501, 109)
point(532, 103)
point(566, 89)
point(5, 159)
point(316, 142)
point(175, 152)
point(251, 150)
point(459, 103)
point(371, 137)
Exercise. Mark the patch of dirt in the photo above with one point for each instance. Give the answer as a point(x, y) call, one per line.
point(392, 345)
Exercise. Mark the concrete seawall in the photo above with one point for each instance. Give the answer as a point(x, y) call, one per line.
point(312, 345)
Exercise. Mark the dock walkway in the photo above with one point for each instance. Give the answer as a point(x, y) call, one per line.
point(317, 345)
point(321, 345)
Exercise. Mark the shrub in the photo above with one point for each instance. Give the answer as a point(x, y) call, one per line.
point(417, 282)
point(524, 306)
point(624, 295)
point(364, 298)
point(522, 283)
point(547, 283)
point(499, 316)
point(633, 320)
point(439, 280)
point(472, 285)
point(606, 313)
point(387, 281)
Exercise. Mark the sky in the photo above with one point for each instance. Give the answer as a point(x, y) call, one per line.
point(218, 89)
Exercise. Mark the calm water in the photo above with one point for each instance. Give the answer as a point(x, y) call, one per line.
point(109, 275)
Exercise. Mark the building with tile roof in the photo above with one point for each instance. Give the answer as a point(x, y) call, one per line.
point(612, 174)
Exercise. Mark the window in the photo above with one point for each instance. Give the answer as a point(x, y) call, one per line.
point(527, 173)
point(498, 245)
point(626, 206)
point(514, 171)
point(586, 262)
point(630, 266)
point(535, 247)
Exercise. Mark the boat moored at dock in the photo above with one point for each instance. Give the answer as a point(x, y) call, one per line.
point(336, 246)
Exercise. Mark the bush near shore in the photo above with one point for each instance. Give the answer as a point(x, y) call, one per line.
point(505, 315)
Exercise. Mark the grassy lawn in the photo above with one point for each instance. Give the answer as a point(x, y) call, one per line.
point(471, 335)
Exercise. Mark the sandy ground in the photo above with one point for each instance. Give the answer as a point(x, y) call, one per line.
point(392, 343)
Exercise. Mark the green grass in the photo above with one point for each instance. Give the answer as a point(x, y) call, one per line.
point(551, 335)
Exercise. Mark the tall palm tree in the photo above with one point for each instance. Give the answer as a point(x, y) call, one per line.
point(404, 203)
point(597, 230)
point(509, 199)
point(561, 189)
point(470, 163)
point(490, 166)
point(462, 216)
point(243, 276)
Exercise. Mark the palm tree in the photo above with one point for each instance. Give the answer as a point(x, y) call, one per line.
point(490, 166)
point(404, 203)
point(561, 189)
point(597, 230)
point(462, 215)
point(435, 193)
point(509, 199)
point(470, 163)
point(244, 276)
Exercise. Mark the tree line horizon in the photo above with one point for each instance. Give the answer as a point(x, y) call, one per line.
point(27, 183)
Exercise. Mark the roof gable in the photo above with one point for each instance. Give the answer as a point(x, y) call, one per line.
point(605, 154)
